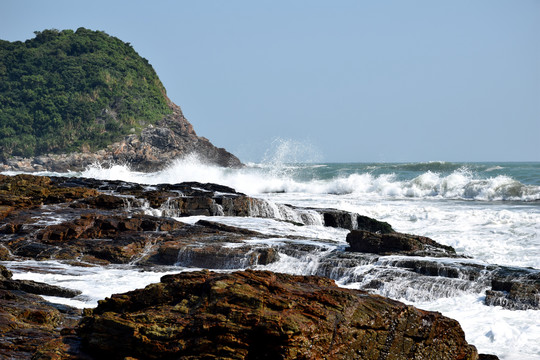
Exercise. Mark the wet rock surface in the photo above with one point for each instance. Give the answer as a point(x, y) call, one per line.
point(26, 320)
point(103, 222)
point(264, 315)
point(517, 289)
point(396, 244)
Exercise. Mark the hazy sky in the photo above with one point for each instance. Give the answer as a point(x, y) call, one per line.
point(344, 80)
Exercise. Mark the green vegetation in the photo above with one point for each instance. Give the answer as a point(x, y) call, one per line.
point(63, 91)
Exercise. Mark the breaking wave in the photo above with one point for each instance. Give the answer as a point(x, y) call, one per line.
point(461, 183)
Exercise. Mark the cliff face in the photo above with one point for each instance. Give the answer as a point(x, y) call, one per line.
point(69, 99)
point(171, 138)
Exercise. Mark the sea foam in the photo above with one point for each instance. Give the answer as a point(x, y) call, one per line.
point(461, 184)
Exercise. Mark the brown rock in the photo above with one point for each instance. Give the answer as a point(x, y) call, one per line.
point(23, 190)
point(396, 243)
point(264, 315)
point(105, 201)
point(27, 323)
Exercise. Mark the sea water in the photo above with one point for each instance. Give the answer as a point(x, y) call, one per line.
point(488, 211)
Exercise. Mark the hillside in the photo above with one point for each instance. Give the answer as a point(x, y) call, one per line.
point(82, 91)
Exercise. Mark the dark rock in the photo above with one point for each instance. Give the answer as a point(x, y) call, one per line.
point(5, 254)
point(372, 225)
point(263, 315)
point(227, 228)
point(396, 243)
point(353, 221)
point(218, 256)
point(38, 288)
point(26, 320)
point(487, 357)
point(516, 289)
point(33, 287)
point(5, 273)
point(105, 201)
point(338, 219)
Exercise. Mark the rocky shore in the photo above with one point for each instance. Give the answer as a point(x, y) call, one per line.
point(156, 147)
point(242, 315)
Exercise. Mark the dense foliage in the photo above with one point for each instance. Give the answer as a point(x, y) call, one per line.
point(67, 90)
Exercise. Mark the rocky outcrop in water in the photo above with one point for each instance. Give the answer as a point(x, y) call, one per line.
point(513, 292)
point(92, 221)
point(155, 148)
point(396, 244)
point(264, 315)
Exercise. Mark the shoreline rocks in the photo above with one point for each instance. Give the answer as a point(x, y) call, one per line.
point(26, 320)
point(102, 222)
point(94, 222)
point(264, 315)
point(396, 244)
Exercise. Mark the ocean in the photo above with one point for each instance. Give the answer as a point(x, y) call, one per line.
point(489, 212)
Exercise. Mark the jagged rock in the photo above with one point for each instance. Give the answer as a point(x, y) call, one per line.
point(515, 289)
point(22, 191)
point(396, 243)
point(26, 320)
point(264, 315)
point(33, 287)
point(104, 201)
point(352, 221)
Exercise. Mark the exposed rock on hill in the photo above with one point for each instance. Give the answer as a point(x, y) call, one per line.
point(156, 147)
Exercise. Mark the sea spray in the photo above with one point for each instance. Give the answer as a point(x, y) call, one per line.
point(460, 184)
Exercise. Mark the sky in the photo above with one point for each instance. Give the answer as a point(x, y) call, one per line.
point(332, 81)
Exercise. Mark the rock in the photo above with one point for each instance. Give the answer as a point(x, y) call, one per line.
point(21, 191)
point(5, 273)
point(218, 256)
point(353, 221)
point(5, 254)
point(33, 287)
point(487, 357)
point(104, 201)
point(264, 315)
point(38, 288)
point(515, 289)
point(372, 225)
point(26, 320)
point(396, 243)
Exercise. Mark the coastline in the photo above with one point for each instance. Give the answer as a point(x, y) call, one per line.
point(87, 200)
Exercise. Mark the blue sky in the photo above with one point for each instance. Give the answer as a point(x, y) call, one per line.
point(344, 80)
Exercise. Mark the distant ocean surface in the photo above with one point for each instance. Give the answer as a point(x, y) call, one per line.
point(488, 211)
